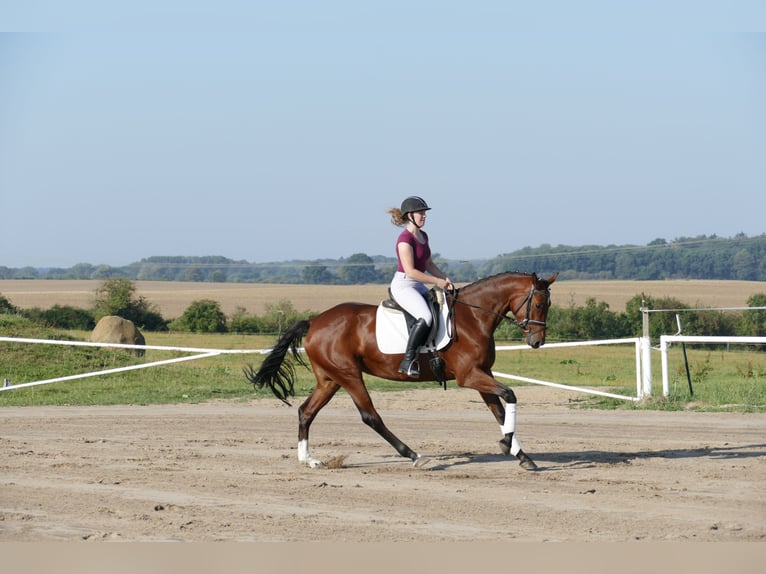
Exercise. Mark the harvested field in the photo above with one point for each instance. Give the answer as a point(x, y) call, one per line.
point(172, 298)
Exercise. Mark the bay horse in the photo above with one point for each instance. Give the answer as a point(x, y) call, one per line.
point(340, 344)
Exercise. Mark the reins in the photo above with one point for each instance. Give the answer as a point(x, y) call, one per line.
point(521, 324)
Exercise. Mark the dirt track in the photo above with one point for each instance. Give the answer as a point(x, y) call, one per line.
point(229, 471)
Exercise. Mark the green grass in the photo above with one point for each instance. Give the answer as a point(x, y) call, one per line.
point(732, 380)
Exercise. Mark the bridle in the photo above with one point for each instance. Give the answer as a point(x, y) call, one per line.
point(523, 325)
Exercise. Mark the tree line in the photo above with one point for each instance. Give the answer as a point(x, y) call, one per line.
point(702, 257)
point(593, 321)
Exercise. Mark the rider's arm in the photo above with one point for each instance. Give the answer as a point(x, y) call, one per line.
point(434, 275)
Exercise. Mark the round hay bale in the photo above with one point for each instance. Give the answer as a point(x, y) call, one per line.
point(114, 329)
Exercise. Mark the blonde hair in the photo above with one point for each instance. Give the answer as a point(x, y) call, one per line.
point(397, 218)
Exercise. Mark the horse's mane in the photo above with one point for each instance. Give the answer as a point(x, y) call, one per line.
point(480, 282)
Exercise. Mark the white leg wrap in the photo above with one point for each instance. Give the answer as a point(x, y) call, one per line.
point(509, 425)
point(515, 446)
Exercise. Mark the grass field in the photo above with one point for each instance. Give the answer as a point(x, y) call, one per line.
point(722, 380)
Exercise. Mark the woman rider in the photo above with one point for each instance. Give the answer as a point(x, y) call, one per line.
point(415, 269)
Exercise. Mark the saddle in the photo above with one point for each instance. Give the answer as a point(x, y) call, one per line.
point(393, 325)
point(433, 298)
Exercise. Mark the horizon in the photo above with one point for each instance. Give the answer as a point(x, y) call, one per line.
point(586, 249)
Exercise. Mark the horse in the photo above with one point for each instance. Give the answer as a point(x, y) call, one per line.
point(341, 346)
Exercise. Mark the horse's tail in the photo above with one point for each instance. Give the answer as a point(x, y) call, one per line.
point(277, 373)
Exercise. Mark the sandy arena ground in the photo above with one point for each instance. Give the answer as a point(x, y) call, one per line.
point(228, 471)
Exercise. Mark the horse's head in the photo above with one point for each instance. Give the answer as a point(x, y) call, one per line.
point(532, 312)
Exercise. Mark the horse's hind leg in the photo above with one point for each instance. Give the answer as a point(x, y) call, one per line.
point(324, 391)
point(506, 418)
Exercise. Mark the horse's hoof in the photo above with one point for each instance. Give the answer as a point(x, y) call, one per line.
point(420, 461)
point(314, 463)
point(527, 464)
point(505, 448)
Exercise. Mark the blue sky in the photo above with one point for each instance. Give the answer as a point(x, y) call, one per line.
point(284, 130)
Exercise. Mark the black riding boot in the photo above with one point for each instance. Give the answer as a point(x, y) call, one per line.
point(410, 365)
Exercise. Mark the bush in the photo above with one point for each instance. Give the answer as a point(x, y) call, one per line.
point(116, 297)
point(202, 316)
point(593, 321)
point(6, 307)
point(241, 322)
point(281, 316)
point(62, 317)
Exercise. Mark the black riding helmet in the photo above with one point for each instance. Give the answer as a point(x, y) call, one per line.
point(413, 203)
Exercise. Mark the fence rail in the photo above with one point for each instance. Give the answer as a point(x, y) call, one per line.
point(202, 353)
point(667, 340)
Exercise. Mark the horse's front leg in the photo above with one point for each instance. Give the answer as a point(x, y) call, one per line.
point(506, 418)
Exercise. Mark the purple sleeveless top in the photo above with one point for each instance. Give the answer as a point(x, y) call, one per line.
point(421, 250)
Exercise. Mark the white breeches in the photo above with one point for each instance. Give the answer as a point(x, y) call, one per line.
point(409, 294)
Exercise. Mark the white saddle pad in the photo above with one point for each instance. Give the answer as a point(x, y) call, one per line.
point(391, 332)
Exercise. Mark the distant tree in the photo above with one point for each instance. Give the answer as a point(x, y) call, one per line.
point(464, 272)
point(117, 297)
point(753, 323)
point(102, 272)
point(81, 271)
point(192, 273)
point(743, 265)
point(317, 275)
point(218, 276)
point(358, 269)
point(26, 273)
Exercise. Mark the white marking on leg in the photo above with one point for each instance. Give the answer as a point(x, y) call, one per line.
point(303, 450)
point(305, 456)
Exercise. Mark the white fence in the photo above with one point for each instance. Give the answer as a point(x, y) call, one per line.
point(641, 391)
point(666, 340)
point(201, 353)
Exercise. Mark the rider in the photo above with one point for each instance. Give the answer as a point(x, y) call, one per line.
point(415, 269)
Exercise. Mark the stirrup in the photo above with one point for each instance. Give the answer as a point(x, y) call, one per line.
point(410, 368)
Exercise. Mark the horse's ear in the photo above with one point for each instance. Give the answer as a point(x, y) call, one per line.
point(546, 282)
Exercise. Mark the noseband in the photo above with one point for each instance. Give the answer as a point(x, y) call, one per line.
point(528, 301)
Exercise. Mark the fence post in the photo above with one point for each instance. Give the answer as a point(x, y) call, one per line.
point(665, 375)
point(646, 351)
